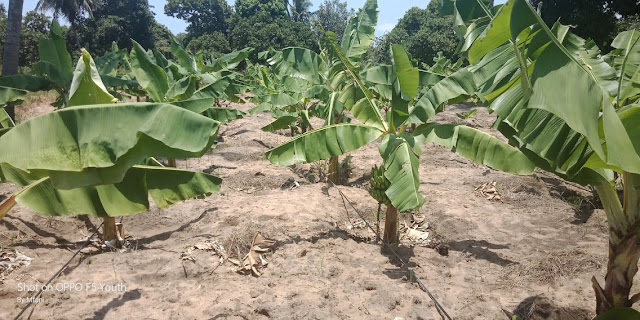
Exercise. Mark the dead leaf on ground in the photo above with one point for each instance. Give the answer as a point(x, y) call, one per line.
point(254, 260)
point(489, 191)
point(11, 261)
point(208, 245)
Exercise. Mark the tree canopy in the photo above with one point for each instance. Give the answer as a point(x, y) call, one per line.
point(203, 16)
point(119, 21)
point(332, 15)
point(423, 32)
point(595, 19)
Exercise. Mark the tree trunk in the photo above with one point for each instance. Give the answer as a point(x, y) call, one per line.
point(391, 225)
point(11, 53)
point(109, 230)
point(334, 170)
point(624, 252)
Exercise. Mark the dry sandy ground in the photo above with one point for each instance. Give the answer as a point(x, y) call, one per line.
point(533, 254)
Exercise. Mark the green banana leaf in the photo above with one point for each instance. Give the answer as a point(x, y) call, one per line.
point(557, 73)
point(185, 59)
point(455, 88)
point(195, 105)
point(97, 144)
point(55, 60)
point(165, 186)
point(283, 122)
point(87, 87)
point(360, 31)
point(401, 161)
point(223, 115)
point(476, 146)
point(619, 314)
point(322, 143)
point(148, 74)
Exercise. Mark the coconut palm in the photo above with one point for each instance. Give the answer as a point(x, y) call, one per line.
point(71, 10)
point(11, 53)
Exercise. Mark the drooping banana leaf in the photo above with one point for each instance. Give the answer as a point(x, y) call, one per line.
point(224, 115)
point(323, 143)
point(165, 186)
point(476, 146)
point(557, 73)
point(280, 123)
point(94, 145)
point(455, 88)
point(401, 161)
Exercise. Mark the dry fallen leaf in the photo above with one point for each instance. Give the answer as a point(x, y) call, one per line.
point(489, 191)
point(253, 261)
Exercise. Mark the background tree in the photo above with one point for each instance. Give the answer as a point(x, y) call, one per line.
point(120, 21)
point(262, 32)
point(211, 44)
point(264, 24)
point(72, 10)
point(35, 26)
point(423, 32)
point(3, 26)
point(594, 19)
point(203, 16)
point(249, 8)
point(332, 15)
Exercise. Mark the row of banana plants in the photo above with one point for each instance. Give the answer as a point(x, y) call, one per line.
point(365, 104)
point(97, 157)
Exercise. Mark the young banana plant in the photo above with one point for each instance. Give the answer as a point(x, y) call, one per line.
point(572, 111)
point(94, 156)
point(180, 84)
point(324, 75)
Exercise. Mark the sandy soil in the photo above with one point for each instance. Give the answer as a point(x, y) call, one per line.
point(533, 253)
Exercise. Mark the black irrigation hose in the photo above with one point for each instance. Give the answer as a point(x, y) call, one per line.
point(57, 273)
point(443, 313)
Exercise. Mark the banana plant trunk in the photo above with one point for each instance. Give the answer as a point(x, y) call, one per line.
point(624, 252)
point(334, 170)
point(172, 162)
point(109, 230)
point(391, 225)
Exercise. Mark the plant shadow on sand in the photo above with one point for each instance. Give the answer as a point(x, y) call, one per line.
point(480, 249)
point(540, 307)
point(116, 303)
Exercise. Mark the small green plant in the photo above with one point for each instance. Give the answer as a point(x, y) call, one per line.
point(467, 115)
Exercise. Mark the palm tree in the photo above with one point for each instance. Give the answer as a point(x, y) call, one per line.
point(72, 10)
point(11, 53)
point(298, 9)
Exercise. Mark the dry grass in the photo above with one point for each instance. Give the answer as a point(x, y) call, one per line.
point(238, 244)
point(554, 266)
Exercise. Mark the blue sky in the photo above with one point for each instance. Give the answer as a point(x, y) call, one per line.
point(390, 12)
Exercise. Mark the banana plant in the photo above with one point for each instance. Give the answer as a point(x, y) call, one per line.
point(396, 182)
point(55, 70)
point(94, 157)
point(165, 81)
point(571, 110)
